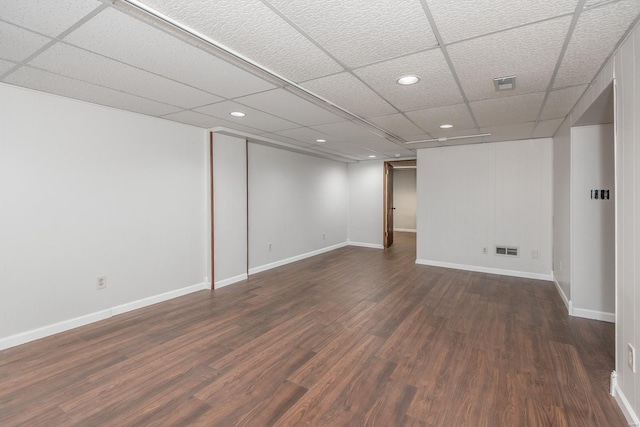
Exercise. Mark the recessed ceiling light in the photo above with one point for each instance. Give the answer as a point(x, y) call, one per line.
point(321, 140)
point(408, 80)
point(372, 156)
point(237, 114)
point(446, 126)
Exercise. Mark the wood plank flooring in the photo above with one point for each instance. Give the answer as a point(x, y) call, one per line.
point(352, 337)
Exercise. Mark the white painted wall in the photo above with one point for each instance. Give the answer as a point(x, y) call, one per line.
point(405, 199)
point(297, 203)
point(626, 64)
point(476, 196)
point(366, 203)
point(562, 210)
point(86, 191)
point(592, 222)
point(230, 206)
point(623, 66)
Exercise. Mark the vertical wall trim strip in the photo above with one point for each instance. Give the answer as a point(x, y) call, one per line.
point(212, 209)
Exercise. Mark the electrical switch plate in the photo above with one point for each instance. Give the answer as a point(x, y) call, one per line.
point(632, 358)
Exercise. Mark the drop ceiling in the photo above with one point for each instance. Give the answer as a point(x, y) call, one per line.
point(326, 69)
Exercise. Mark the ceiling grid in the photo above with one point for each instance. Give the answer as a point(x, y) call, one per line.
point(304, 71)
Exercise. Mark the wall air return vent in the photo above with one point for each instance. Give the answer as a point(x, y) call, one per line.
point(507, 250)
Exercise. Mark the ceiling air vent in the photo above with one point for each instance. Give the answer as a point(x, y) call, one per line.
point(505, 83)
point(507, 250)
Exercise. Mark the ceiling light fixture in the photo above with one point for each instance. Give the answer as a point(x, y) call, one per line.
point(321, 140)
point(446, 126)
point(408, 80)
point(237, 114)
point(372, 156)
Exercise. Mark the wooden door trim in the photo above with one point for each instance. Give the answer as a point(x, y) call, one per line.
point(387, 169)
point(212, 208)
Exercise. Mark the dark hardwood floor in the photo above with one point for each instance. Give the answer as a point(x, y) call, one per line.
point(352, 337)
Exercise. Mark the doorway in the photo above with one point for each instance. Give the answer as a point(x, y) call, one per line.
point(400, 199)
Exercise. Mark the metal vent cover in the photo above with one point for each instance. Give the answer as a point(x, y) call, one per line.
point(505, 83)
point(507, 250)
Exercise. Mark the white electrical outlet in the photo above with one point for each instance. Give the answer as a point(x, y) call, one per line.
point(535, 254)
point(269, 247)
point(632, 358)
point(485, 251)
point(101, 282)
point(324, 236)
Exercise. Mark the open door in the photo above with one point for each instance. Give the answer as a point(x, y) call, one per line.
point(388, 205)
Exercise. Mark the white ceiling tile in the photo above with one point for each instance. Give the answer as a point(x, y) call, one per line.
point(282, 103)
point(348, 92)
point(346, 131)
point(381, 29)
point(255, 31)
point(64, 86)
point(82, 65)
point(193, 118)
point(401, 153)
point(306, 135)
point(378, 145)
point(547, 128)
point(431, 119)
point(204, 121)
point(504, 111)
point(16, 44)
point(254, 118)
point(281, 138)
point(509, 132)
point(119, 36)
point(6, 66)
point(47, 16)
point(449, 133)
point(436, 87)
point(398, 124)
point(589, 48)
point(463, 19)
point(560, 102)
point(518, 52)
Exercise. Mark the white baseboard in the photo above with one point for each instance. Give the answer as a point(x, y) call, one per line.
point(406, 230)
point(478, 269)
point(65, 325)
point(144, 302)
point(593, 314)
point(623, 403)
point(566, 300)
point(229, 281)
point(282, 262)
point(365, 245)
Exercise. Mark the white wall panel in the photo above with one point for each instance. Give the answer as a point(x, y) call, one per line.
point(230, 207)
point(89, 191)
point(404, 199)
point(476, 196)
point(592, 221)
point(365, 202)
point(297, 204)
point(562, 208)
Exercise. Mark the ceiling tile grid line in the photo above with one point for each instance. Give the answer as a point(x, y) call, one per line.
point(491, 33)
point(443, 48)
point(572, 27)
point(323, 102)
point(337, 64)
point(55, 40)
